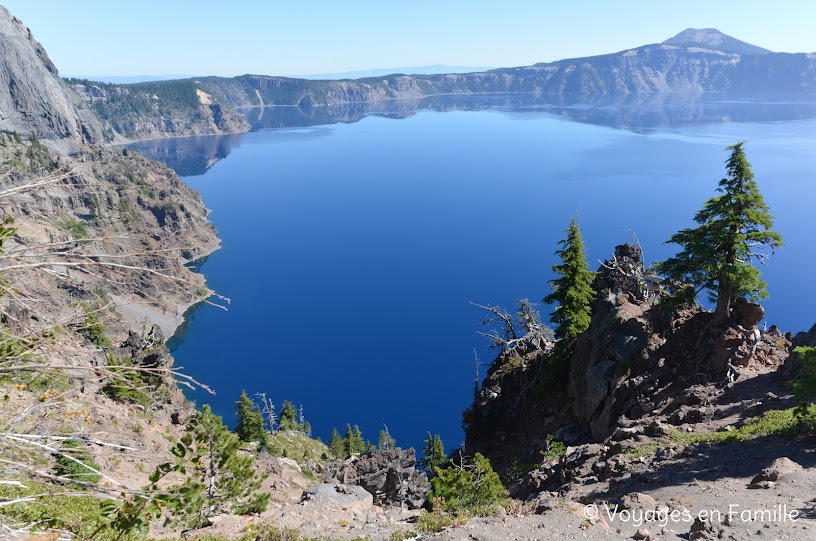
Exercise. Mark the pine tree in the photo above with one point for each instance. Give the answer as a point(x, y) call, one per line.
point(353, 443)
point(433, 454)
point(288, 417)
point(471, 487)
point(221, 477)
point(359, 445)
point(573, 290)
point(336, 445)
point(733, 226)
point(385, 441)
point(250, 425)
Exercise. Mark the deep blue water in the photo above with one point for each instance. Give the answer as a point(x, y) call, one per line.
point(351, 250)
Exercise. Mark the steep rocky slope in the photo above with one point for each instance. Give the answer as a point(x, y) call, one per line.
point(33, 99)
point(637, 362)
point(93, 276)
point(158, 109)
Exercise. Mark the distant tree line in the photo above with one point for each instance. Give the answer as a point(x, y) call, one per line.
point(122, 105)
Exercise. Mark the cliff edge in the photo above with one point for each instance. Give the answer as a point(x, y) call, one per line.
point(33, 98)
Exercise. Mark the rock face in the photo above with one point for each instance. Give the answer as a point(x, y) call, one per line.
point(693, 61)
point(33, 98)
point(635, 361)
point(159, 109)
point(390, 476)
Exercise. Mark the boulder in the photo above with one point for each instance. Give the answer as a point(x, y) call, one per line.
point(747, 314)
point(180, 417)
point(779, 469)
point(701, 529)
point(390, 476)
point(638, 500)
point(346, 496)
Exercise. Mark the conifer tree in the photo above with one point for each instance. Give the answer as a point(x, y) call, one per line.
point(336, 445)
point(353, 441)
point(250, 425)
point(385, 441)
point(359, 444)
point(434, 454)
point(471, 487)
point(220, 478)
point(348, 441)
point(573, 290)
point(734, 226)
point(288, 417)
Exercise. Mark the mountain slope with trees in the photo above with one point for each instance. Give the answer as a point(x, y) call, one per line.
point(693, 61)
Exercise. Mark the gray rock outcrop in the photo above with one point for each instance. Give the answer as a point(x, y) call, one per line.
point(33, 98)
point(390, 476)
point(346, 496)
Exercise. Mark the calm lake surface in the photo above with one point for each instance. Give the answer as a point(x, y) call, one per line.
point(354, 237)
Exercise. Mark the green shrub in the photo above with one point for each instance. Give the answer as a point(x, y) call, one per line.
point(130, 386)
point(554, 449)
point(804, 420)
point(81, 516)
point(792, 423)
point(472, 488)
point(436, 522)
point(92, 328)
point(76, 228)
point(81, 467)
point(804, 387)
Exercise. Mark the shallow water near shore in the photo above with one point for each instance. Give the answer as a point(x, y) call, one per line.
point(353, 239)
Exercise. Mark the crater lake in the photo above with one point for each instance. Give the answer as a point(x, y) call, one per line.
point(355, 237)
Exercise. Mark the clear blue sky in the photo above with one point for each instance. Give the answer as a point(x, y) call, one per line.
point(113, 37)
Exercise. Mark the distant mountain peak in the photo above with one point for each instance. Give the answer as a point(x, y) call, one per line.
point(711, 38)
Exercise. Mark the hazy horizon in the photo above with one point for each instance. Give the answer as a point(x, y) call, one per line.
point(249, 36)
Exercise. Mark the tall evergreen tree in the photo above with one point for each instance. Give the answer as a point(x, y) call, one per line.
point(734, 227)
point(288, 417)
point(573, 290)
point(336, 445)
point(433, 454)
point(250, 426)
point(353, 441)
point(348, 441)
point(359, 444)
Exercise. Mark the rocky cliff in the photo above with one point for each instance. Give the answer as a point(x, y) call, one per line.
point(637, 361)
point(33, 99)
point(94, 272)
point(693, 61)
point(158, 109)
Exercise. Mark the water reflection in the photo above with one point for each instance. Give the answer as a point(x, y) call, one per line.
point(192, 156)
point(189, 156)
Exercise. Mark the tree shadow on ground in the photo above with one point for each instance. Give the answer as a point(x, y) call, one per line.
point(709, 462)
